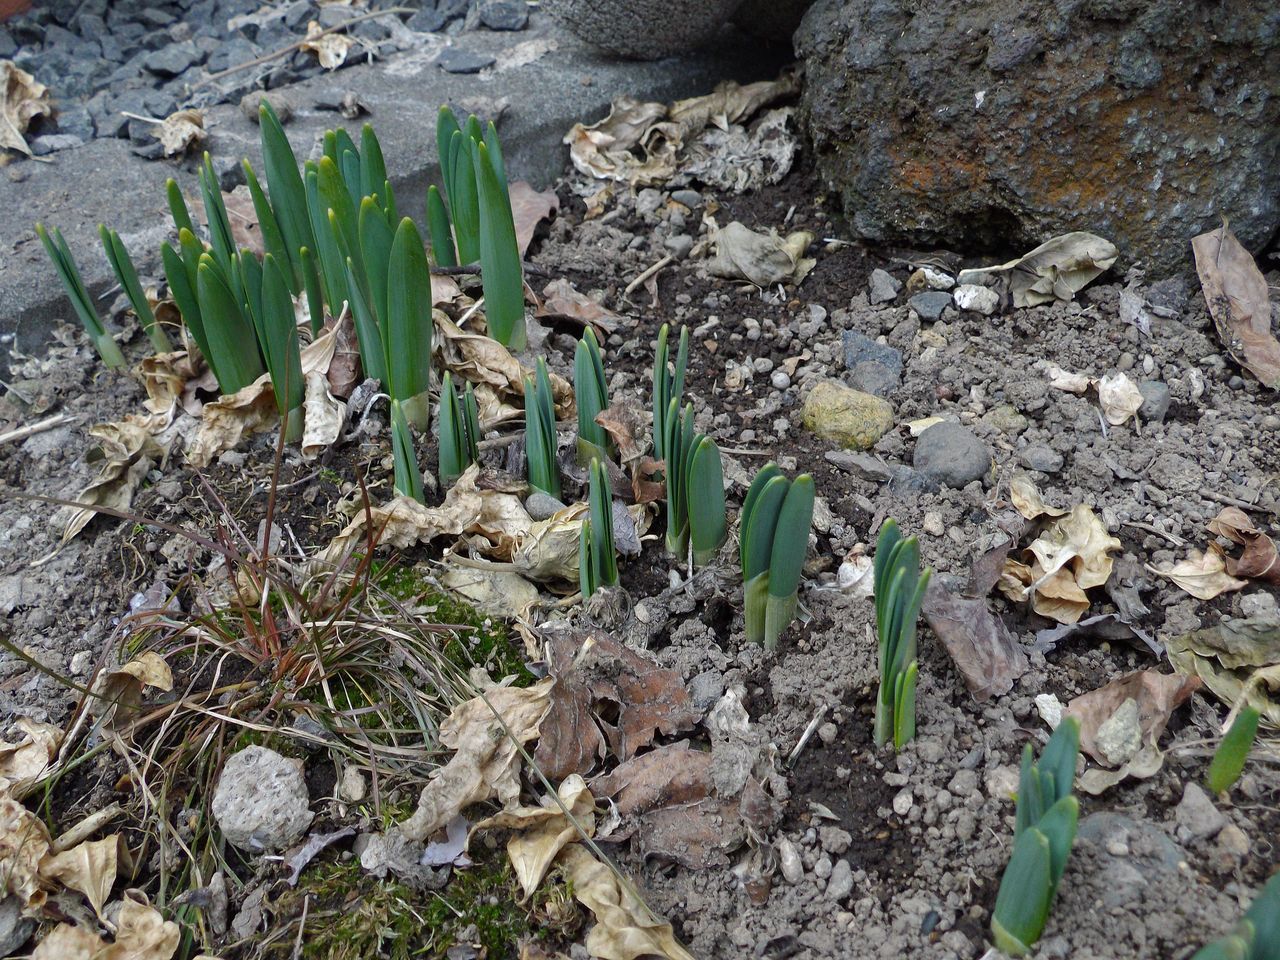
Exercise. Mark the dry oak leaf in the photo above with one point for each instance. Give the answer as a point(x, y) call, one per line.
point(484, 733)
point(1203, 575)
point(560, 298)
point(1236, 292)
point(89, 868)
point(540, 833)
point(529, 208)
point(1070, 556)
point(24, 764)
point(1260, 559)
point(1157, 695)
point(988, 657)
point(1026, 498)
point(22, 99)
point(598, 676)
point(625, 928)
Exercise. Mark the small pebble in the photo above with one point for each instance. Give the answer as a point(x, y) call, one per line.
point(827, 733)
point(933, 524)
point(903, 802)
point(780, 380)
point(789, 858)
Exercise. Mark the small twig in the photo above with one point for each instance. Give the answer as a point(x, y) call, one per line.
point(531, 269)
point(86, 828)
point(647, 274)
point(40, 426)
point(277, 54)
point(302, 925)
point(1242, 504)
point(1172, 538)
point(808, 733)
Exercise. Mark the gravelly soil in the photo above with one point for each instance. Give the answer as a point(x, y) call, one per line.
point(925, 832)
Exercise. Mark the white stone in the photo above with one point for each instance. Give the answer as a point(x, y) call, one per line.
point(1050, 708)
point(933, 524)
point(902, 802)
point(789, 858)
point(261, 801)
point(936, 279)
point(970, 296)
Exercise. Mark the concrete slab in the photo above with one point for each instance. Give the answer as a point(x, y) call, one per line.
point(543, 82)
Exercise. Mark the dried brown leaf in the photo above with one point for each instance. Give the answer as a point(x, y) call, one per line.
point(121, 690)
point(1238, 659)
point(1203, 575)
point(1236, 292)
point(89, 868)
point(24, 843)
point(986, 654)
point(344, 371)
point(481, 360)
point(24, 764)
point(330, 48)
point(760, 258)
point(625, 928)
point(561, 299)
point(22, 99)
point(628, 430)
point(499, 593)
point(529, 208)
point(1157, 695)
point(483, 733)
point(1260, 559)
point(1056, 270)
point(598, 677)
point(182, 132)
point(1119, 398)
point(1026, 498)
point(540, 833)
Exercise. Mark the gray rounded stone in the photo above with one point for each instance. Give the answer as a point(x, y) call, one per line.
point(1042, 457)
point(643, 29)
point(261, 802)
point(951, 454)
point(930, 304)
point(1155, 400)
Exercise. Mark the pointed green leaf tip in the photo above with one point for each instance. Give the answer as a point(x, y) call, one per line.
point(502, 272)
point(1228, 759)
point(773, 542)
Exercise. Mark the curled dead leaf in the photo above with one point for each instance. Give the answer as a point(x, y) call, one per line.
point(1203, 575)
point(562, 300)
point(540, 833)
point(760, 258)
point(1026, 498)
point(128, 451)
point(1070, 556)
point(88, 868)
point(1238, 659)
point(625, 928)
point(24, 843)
point(24, 764)
point(182, 132)
point(120, 693)
point(22, 99)
point(499, 593)
point(1119, 398)
point(484, 733)
point(1239, 302)
point(1260, 559)
point(330, 48)
point(481, 360)
point(607, 697)
point(1156, 695)
point(1057, 269)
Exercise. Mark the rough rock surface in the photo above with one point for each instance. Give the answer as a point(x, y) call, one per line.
point(261, 800)
point(951, 454)
point(849, 417)
point(643, 29)
point(989, 125)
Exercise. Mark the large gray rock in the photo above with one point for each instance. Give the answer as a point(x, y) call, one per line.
point(643, 29)
point(951, 454)
point(261, 801)
point(981, 124)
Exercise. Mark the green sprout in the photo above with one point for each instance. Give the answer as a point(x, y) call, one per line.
point(591, 393)
point(231, 343)
point(667, 386)
point(540, 443)
point(472, 222)
point(408, 478)
point(1228, 759)
point(459, 431)
point(695, 489)
point(773, 540)
point(899, 592)
point(1256, 935)
point(1044, 833)
point(278, 338)
point(122, 266)
point(58, 251)
point(288, 194)
point(597, 558)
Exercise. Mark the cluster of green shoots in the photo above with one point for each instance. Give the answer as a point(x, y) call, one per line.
point(773, 538)
point(540, 442)
point(332, 236)
point(1256, 935)
point(459, 421)
point(692, 467)
point(477, 206)
point(899, 588)
point(597, 557)
point(1043, 835)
